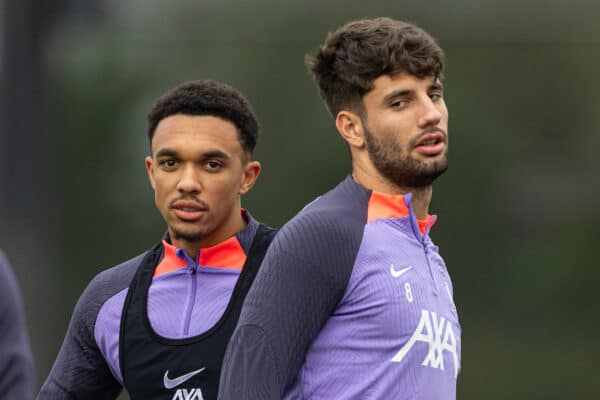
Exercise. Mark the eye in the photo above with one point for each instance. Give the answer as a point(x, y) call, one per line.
point(435, 96)
point(213, 165)
point(400, 103)
point(168, 164)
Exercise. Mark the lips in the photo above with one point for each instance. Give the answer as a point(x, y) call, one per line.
point(188, 210)
point(431, 144)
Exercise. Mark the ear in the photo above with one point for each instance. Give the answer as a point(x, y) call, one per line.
point(150, 170)
point(250, 175)
point(350, 127)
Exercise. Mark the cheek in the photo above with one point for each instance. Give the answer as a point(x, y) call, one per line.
point(162, 190)
point(399, 126)
point(444, 112)
point(159, 196)
point(398, 134)
point(223, 193)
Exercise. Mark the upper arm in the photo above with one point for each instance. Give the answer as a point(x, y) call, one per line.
point(80, 371)
point(301, 280)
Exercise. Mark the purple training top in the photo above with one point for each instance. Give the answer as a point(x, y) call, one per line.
point(353, 301)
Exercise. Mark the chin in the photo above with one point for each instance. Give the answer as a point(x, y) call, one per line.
point(188, 235)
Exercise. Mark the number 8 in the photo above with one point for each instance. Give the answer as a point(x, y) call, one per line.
point(409, 295)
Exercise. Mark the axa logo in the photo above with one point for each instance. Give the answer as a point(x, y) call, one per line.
point(188, 394)
point(437, 332)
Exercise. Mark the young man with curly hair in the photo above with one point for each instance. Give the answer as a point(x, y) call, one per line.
point(353, 300)
point(158, 324)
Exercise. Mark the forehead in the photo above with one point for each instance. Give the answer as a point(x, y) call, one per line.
point(181, 132)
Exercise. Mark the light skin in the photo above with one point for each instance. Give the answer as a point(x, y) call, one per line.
point(199, 171)
point(408, 113)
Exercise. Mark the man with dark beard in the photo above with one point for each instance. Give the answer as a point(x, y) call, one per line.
point(353, 300)
point(158, 324)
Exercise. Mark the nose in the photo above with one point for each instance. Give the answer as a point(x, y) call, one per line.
point(189, 181)
point(431, 113)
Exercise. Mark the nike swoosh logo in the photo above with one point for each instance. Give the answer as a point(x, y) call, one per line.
point(397, 273)
point(171, 383)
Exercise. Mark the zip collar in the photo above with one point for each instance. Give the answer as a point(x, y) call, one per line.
point(229, 254)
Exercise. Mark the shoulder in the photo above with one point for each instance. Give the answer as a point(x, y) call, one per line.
point(331, 223)
point(6, 274)
point(11, 303)
point(104, 286)
point(117, 277)
point(10, 294)
point(7, 278)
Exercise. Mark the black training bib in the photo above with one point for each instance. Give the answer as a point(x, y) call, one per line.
point(155, 367)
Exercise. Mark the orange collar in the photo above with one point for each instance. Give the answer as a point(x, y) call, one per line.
point(382, 205)
point(227, 254)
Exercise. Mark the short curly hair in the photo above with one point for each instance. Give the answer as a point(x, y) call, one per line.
point(359, 52)
point(208, 97)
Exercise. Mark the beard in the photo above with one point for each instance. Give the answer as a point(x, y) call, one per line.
point(190, 237)
point(397, 166)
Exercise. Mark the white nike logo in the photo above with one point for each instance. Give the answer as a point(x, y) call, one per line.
point(397, 273)
point(171, 383)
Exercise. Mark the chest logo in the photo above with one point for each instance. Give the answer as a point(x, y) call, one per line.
point(191, 394)
point(437, 332)
point(397, 273)
point(171, 383)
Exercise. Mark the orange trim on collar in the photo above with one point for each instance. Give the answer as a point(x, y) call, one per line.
point(170, 261)
point(382, 205)
point(227, 254)
point(428, 222)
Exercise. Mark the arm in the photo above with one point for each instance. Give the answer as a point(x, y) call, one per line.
point(303, 277)
point(16, 366)
point(80, 371)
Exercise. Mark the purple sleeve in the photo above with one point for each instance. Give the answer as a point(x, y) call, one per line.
point(301, 281)
point(17, 378)
point(80, 371)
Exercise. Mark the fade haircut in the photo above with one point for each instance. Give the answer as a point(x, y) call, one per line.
point(208, 97)
point(359, 52)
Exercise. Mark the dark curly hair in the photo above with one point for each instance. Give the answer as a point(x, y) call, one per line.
point(208, 97)
point(359, 52)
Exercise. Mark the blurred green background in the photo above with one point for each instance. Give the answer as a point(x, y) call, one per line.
point(518, 209)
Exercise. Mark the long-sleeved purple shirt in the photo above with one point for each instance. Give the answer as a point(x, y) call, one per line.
point(353, 301)
point(186, 298)
point(17, 377)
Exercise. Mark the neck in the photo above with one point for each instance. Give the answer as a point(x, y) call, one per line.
point(371, 179)
point(420, 201)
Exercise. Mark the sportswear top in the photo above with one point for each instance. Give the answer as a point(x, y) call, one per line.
point(353, 301)
point(186, 298)
point(17, 377)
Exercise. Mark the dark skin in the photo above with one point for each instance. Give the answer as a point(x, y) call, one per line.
point(199, 171)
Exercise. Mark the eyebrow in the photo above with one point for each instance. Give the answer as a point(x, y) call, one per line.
point(206, 154)
point(166, 153)
point(436, 86)
point(215, 154)
point(397, 93)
